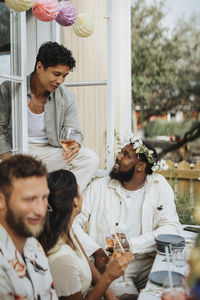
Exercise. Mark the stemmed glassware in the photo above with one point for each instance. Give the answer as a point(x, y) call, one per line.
point(118, 244)
point(67, 138)
point(122, 245)
point(176, 293)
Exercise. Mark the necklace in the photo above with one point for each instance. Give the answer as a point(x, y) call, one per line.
point(37, 106)
point(139, 187)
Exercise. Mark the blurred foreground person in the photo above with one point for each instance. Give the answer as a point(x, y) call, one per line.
point(24, 269)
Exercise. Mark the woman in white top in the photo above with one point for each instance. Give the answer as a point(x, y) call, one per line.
point(71, 270)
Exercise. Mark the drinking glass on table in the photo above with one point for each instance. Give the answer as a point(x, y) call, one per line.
point(67, 138)
point(179, 292)
point(174, 294)
point(178, 255)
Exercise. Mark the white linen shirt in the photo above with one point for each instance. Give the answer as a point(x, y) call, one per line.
point(159, 214)
point(28, 278)
point(69, 268)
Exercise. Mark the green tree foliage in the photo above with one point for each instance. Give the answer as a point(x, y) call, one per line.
point(165, 68)
point(189, 64)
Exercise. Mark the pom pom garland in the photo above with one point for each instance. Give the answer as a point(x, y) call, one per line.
point(19, 5)
point(63, 12)
point(84, 25)
point(45, 10)
point(67, 13)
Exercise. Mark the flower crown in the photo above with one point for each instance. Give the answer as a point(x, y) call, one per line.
point(140, 148)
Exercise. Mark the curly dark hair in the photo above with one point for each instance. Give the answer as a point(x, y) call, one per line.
point(52, 54)
point(63, 189)
point(143, 158)
point(19, 166)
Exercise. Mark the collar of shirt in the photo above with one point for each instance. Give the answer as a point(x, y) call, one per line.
point(32, 248)
point(29, 89)
point(116, 185)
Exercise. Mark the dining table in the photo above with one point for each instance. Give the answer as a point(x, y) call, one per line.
point(153, 291)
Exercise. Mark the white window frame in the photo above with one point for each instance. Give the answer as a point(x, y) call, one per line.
point(19, 101)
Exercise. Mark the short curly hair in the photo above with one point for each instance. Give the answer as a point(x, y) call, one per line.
point(52, 54)
point(19, 166)
point(143, 158)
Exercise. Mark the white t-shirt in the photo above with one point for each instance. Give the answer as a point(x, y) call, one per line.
point(70, 269)
point(36, 128)
point(131, 212)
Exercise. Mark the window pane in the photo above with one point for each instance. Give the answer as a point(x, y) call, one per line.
point(10, 99)
point(16, 43)
point(10, 41)
point(4, 39)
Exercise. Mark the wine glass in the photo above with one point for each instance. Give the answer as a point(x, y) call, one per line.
point(67, 138)
point(122, 245)
point(178, 292)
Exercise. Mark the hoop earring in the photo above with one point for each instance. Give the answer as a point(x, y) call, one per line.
point(49, 208)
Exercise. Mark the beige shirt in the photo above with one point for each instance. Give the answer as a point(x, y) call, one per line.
point(26, 277)
point(70, 269)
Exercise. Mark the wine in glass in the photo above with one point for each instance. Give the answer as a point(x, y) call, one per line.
point(122, 245)
point(67, 138)
point(110, 244)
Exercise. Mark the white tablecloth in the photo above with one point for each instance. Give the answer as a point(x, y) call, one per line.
point(153, 291)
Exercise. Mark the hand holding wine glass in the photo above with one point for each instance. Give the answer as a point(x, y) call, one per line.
point(117, 265)
point(67, 138)
point(68, 143)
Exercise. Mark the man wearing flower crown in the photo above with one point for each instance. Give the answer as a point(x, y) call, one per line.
point(135, 201)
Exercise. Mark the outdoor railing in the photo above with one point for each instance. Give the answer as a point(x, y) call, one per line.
point(184, 178)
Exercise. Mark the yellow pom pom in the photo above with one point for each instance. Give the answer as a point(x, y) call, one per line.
point(84, 25)
point(19, 5)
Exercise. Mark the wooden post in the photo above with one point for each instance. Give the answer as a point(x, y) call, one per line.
point(183, 183)
point(196, 186)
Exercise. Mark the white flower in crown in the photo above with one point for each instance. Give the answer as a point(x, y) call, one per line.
point(150, 152)
point(137, 144)
point(161, 166)
point(133, 139)
point(155, 168)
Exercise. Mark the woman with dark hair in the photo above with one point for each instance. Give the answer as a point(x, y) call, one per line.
point(70, 268)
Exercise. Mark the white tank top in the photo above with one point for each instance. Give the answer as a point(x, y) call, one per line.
point(36, 128)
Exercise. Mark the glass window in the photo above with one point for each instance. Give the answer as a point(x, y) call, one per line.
point(13, 136)
point(5, 46)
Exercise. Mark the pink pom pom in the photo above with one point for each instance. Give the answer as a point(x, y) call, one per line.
point(45, 10)
point(67, 13)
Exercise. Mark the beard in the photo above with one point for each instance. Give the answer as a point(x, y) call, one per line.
point(122, 176)
point(19, 226)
